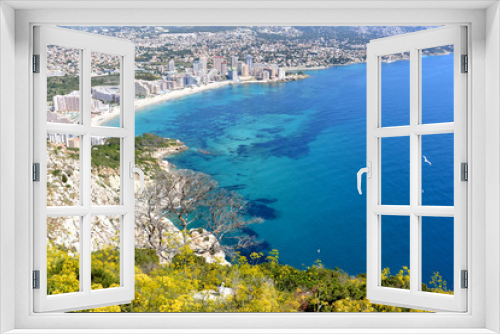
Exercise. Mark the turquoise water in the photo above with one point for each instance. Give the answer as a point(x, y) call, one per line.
point(293, 150)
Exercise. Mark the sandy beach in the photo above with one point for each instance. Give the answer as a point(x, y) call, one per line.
point(141, 103)
point(174, 94)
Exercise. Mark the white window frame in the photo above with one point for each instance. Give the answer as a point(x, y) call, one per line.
point(86, 44)
point(414, 43)
point(483, 249)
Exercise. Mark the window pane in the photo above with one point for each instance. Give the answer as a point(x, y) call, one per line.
point(63, 169)
point(105, 171)
point(437, 85)
point(396, 251)
point(63, 255)
point(437, 254)
point(105, 81)
point(437, 169)
point(105, 235)
point(395, 171)
point(395, 89)
point(63, 84)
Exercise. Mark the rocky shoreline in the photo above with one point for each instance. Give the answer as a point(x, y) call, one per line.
point(203, 243)
point(162, 152)
point(63, 184)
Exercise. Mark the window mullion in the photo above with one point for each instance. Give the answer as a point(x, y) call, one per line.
point(85, 238)
point(99, 131)
point(414, 171)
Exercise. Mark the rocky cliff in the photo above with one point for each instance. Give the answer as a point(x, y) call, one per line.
point(64, 189)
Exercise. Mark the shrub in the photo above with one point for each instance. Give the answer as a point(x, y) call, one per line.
point(189, 284)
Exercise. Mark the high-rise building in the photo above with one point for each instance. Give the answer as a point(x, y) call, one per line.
point(212, 73)
point(223, 68)
point(141, 89)
point(97, 107)
point(234, 63)
point(281, 73)
point(171, 66)
point(106, 93)
point(70, 102)
point(191, 80)
point(245, 72)
point(203, 60)
point(204, 79)
point(274, 70)
point(232, 75)
point(257, 69)
point(249, 62)
point(218, 63)
point(265, 75)
point(60, 138)
point(198, 67)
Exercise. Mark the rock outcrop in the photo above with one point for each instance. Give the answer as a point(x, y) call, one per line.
point(63, 189)
point(203, 243)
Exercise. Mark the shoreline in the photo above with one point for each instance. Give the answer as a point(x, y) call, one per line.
point(149, 101)
point(146, 102)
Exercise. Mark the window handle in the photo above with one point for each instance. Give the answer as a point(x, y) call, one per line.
point(368, 171)
point(139, 171)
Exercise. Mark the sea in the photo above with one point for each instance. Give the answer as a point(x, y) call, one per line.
point(293, 150)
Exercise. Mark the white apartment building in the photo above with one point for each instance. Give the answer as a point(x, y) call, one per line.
point(249, 62)
point(65, 103)
point(203, 60)
point(198, 67)
point(265, 75)
point(141, 89)
point(218, 63)
point(281, 73)
point(97, 107)
point(106, 94)
point(171, 66)
point(234, 62)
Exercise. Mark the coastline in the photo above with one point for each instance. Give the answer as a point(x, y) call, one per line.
point(148, 101)
point(142, 103)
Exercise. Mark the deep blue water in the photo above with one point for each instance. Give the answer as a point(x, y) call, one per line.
point(293, 150)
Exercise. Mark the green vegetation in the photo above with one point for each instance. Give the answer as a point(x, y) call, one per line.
point(146, 76)
point(149, 142)
point(63, 85)
point(189, 284)
point(108, 154)
point(106, 80)
point(257, 283)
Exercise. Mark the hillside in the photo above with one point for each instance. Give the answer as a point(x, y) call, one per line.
point(191, 273)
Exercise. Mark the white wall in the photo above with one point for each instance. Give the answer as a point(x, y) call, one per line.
point(7, 158)
point(493, 163)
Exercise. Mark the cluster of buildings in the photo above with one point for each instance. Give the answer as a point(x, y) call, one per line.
point(102, 98)
point(231, 69)
point(162, 49)
point(201, 73)
point(62, 61)
point(72, 141)
point(286, 47)
point(222, 69)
